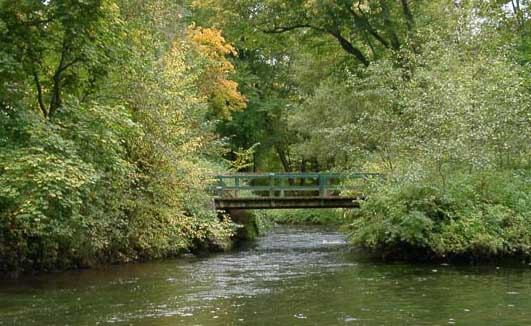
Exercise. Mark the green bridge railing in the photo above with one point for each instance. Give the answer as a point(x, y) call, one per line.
point(279, 185)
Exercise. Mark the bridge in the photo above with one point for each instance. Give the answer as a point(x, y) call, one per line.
point(289, 190)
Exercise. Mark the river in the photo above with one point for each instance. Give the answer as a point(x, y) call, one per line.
point(292, 276)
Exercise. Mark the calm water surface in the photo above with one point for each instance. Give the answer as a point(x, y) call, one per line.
point(293, 276)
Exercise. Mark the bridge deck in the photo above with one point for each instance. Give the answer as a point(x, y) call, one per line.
point(286, 202)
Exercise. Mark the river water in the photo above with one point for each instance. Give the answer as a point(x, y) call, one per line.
point(293, 276)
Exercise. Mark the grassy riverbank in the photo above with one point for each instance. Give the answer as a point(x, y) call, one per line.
point(321, 216)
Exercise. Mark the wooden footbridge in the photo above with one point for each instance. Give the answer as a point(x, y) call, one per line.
point(289, 190)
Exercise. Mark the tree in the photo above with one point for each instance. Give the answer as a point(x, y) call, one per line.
point(363, 29)
point(102, 162)
point(222, 93)
point(57, 48)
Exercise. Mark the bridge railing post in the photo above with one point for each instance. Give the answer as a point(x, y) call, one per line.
point(237, 186)
point(322, 185)
point(220, 187)
point(271, 185)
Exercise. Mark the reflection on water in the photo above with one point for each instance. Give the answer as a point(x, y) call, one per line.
point(294, 276)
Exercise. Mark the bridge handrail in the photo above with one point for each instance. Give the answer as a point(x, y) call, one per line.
point(297, 175)
point(323, 186)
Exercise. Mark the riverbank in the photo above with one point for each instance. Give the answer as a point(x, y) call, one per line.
point(478, 217)
point(321, 216)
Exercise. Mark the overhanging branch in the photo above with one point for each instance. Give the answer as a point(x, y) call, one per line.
point(362, 19)
point(40, 99)
point(407, 13)
point(283, 29)
point(345, 44)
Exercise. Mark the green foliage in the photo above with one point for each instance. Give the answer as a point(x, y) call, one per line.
point(477, 216)
point(108, 139)
point(102, 159)
point(461, 106)
point(56, 48)
point(58, 182)
point(361, 29)
point(170, 210)
point(420, 91)
point(453, 136)
point(305, 216)
point(243, 158)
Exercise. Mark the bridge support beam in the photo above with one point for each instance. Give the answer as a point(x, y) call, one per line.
point(249, 228)
point(286, 202)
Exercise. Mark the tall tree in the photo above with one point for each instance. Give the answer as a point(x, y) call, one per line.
point(60, 48)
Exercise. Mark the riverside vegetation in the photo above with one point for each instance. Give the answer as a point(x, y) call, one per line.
point(106, 148)
point(115, 114)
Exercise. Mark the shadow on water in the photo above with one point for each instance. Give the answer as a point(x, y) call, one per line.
point(292, 276)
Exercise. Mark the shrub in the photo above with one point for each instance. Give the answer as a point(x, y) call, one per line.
point(480, 215)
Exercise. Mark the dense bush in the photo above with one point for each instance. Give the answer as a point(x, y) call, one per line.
point(105, 147)
point(72, 195)
point(478, 215)
point(61, 185)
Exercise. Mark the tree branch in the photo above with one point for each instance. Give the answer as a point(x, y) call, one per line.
point(284, 159)
point(283, 29)
point(36, 79)
point(39, 92)
point(395, 43)
point(367, 26)
point(407, 13)
point(66, 66)
point(347, 46)
point(55, 101)
point(368, 40)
